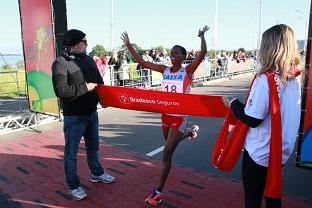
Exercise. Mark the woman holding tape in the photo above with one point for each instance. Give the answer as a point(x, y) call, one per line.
point(272, 113)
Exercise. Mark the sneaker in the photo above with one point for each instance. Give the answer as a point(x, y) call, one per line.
point(78, 193)
point(191, 133)
point(104, 178)
point(154, 199)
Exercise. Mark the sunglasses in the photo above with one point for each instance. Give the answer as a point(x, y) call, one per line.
point(84, 41)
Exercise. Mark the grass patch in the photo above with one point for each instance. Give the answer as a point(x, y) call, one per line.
point(12, 83)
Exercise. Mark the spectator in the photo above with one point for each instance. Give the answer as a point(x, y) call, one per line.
point(100, 64)
point(164, 58)
point(114, 61)
point(235, 56)
point(241, 56)
point(123, 71)
point(152, 54)
point(273, 126)
point(75, 77)
point(146, 73)
point(191, 55)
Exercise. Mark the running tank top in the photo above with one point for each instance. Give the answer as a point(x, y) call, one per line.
point(176, 82)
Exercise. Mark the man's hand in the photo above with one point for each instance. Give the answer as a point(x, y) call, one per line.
point(227, 100)
point(91, 86)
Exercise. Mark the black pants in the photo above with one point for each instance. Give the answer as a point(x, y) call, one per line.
point(254, 177)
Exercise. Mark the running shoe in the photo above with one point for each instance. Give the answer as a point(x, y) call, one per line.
point(191, 133)
point(78, 193)
point(104, 178)
point(154, 199)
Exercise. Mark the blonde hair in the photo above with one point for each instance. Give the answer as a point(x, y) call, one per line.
point(278, 51)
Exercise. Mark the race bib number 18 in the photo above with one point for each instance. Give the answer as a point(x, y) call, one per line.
point(172, 86)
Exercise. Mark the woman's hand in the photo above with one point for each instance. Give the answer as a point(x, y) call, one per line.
point(202, 31)
point(227, 100)
point(294, 72)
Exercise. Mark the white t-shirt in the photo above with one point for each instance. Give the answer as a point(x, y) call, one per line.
point(257, 140)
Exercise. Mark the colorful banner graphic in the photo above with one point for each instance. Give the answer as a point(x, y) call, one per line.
point(161, 102)
point(39, 53)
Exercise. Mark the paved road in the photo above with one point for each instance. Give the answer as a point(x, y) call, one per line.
point(141, 132)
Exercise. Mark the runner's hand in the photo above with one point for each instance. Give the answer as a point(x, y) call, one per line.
point(125, 38)
point(202, 31)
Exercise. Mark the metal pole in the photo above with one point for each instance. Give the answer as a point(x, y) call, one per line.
point(260, 20)
point(306, 34)
point(253, 30)
point(3, 59)
point(306, 28)
point(216, 28)
point(111, 26)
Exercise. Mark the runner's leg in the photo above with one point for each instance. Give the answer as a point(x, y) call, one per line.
point(173, 139)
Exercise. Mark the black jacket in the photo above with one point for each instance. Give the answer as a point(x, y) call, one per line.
point(69, 77)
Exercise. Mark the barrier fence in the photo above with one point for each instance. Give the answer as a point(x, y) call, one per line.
point(14, 106)
point(128, 75)
point(15, 113)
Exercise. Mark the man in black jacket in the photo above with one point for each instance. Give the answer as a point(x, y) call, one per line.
point(75, 77)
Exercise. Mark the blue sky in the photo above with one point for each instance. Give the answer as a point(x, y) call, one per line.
point(166, 22)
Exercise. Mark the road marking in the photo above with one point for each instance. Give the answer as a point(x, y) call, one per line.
point(156, 151)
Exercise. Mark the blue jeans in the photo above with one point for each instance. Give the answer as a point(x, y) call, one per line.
point(74, 128)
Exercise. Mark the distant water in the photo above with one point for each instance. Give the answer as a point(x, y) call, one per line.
point(11, 59)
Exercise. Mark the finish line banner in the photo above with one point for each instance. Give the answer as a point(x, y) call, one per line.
point(161, 102)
